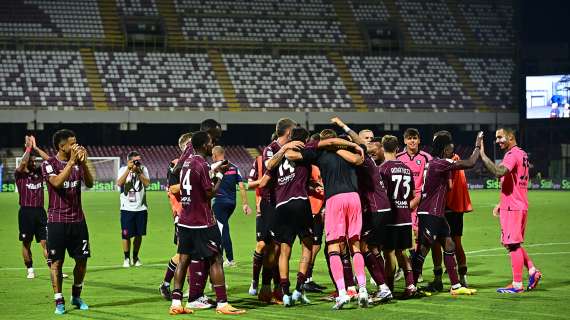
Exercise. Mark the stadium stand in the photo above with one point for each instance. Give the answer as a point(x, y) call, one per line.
point(50, 18)
point(263, 30)
point(137, 7)
point(43, 79)
point(492, 24)
point(493, 78)
point(407, 82)
point(365, 10)
point(430, 23)
point(288, 81)
point(308, 8)
point(158, 80)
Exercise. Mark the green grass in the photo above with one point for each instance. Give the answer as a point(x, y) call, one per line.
point(116, 293)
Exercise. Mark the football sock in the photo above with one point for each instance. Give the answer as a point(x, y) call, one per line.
point(29, 264)
point(301, 278)
point(310, 272)
point(527, 261)
point(462, 270)
point(48, 262)
point(358, 261)
point(257, 264)
point(135, 255)
point(285, 284)
point(347, 270)
point(197, 277)
point(409, 276)
point(375, 267)
point(417, 265)
point(437, 273)
point(58, 298)
point(127, 254)
point(76, 290)
point(176, 297)
point(451, 266)
point(266, 276)
point(337, 270)
point(517, 262)
point(276, 277)
point(169, 274)
point(221, 294)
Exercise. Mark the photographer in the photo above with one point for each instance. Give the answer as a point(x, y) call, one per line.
point(133, 179)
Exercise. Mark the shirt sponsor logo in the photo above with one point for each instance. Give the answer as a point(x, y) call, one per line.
point(70, 184)
point(34, 186)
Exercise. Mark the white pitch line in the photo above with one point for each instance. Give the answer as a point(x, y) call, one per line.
point(470, 253)
point(533, 254)
point(526, 246)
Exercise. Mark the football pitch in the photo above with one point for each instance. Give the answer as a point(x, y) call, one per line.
point(113, 292)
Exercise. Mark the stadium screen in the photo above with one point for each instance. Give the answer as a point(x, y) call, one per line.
point(548, 96)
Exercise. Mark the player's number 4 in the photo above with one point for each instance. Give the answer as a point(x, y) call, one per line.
point(405, 182)
point(186, 186)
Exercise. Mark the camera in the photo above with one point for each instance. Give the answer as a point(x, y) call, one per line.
point(137, 163)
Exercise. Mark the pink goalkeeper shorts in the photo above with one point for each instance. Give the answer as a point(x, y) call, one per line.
point(513, 225)
point(343, 218)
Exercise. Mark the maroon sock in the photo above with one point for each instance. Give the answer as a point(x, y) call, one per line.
point(451, 266)
point(177, 294)
point(301, 278)
point(347, 269)
point(409, 276)
point(59, 301)
point(310, 271)
point(169, 274)
point(375, 267)
point(266, 276)
point(76, 290)
point(257, 264)
point(196, 279)
point(276, 277)
point(221, 294)
point(284, 284)
point(48, 261)
point(417, 265)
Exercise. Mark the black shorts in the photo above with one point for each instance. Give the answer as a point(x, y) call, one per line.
point(397, 237)
point(73, 237)
point(455, 220)
point(32, 223)
point(202, 243)
point(264, 222)
point(294, 218)
point(133, 223)
point(175, 234)
point(373, 225)
point(431, 227)
point(318, 229)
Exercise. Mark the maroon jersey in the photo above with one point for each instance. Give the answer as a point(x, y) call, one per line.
point(267, 193)
point(398, 179)
point(195, 182)
point(30, 188)
point(290, 180)
point(370, 188)
point(65, 202)
point(436, 185)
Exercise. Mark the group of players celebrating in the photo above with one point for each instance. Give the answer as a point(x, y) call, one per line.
point(370, 202)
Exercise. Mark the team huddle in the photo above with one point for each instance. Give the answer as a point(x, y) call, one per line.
point(368, 202)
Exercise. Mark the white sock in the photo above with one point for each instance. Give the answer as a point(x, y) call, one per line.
point(384, 287)
point(342, 292)
point(221, 305)
point(58, 295)
point(517, 285)
point(30, 270)
point(411, 287)
point(353, 288)
point(456, 286)
point(166, 284)
point(176, 303)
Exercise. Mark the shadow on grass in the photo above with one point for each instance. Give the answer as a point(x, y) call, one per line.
point(124, 287)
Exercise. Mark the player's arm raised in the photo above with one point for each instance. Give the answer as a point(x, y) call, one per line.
point(26, 156)
point(42, 153)
point(82, 158)
point(498, 170)
point(57, 180)
point(470, 162)
point(353, 135)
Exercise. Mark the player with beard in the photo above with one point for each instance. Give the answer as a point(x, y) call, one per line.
point(32, 218)
point(513, 207)
point(66, 227)
point(431, 212)
point(198, 234)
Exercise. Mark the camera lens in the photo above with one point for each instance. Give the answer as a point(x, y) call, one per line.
point(137, 163)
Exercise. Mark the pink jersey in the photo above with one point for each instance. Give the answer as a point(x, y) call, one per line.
point(417, 163)
point(514, 185)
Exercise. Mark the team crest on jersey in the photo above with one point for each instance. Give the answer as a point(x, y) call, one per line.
point(418, 162)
